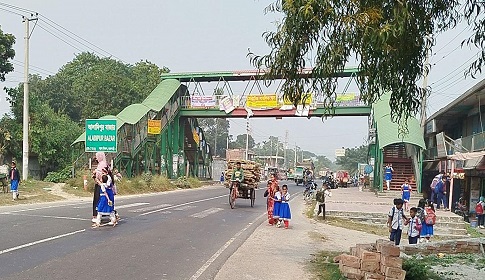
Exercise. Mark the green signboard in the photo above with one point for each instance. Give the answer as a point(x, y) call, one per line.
point(101, 136)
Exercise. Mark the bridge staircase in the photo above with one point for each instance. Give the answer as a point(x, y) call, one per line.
point(401, 163)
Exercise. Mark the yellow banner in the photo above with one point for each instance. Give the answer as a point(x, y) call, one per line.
point(154, 126)
point(308, 98)
point(196, 136)
point(262, 101)
point(346, 97)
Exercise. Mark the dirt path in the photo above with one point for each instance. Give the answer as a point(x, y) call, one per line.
point(56, 189)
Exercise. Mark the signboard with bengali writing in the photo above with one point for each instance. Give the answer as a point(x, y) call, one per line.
point(202, 101)
point(101, 136)
point(154, 126)
point(339, 152)
point(226, 105)
point(348, 99)
point(259, 101)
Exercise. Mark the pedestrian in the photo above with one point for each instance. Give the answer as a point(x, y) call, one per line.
point(388, 175)
point(105, 203)
point(395, 221)
point(479, 212)
point(415, 226)
point(112, 185)
point(285, 213)
point(427, 230)
point(14, 181)
point(276, 207)
point(100, 159)
point(320, 197)
point(272, 183)
point(442, 195)
point(222, 178)
point(406, 194)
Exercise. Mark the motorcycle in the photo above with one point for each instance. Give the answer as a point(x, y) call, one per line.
point(310, 190)
point(329, 182)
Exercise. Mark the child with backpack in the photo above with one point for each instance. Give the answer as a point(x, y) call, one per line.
point(479, 212)
point(429, 221)
point(414, 226)
point(396, 220)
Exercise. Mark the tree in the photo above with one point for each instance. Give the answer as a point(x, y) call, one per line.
point(92, 87)
point(353, 156)
point(6, 53)
point(216, 130)
point(390, 40)
point(240, 142)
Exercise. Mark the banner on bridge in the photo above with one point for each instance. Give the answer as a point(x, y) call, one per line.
point(262, 101)
point(202, 101)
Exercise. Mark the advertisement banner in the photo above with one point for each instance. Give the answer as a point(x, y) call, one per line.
point(154, 126)
point(226, 105)
point(348, 99)
point(262, 101)
point(307, 98)
point(202, 101)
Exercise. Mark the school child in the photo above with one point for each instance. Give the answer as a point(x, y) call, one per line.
point(414, 226)
point(479, 212)
point(105, 203)
point(388, 175)
point(112, 184)
point(276, 207)
point(222, 178)
point(285, 213)
point(395, 221)
point(406, 194)
point(14, 181)
point(429, 220)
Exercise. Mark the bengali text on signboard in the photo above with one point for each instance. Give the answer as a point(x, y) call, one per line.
point(154, 126)
point(260, 101)
point(202, 101)
point(100, 136)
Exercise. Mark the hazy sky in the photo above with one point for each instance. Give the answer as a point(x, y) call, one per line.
point(201, 35)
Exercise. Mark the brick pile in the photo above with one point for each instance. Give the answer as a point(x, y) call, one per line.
point(449, 247)
point(379, 261)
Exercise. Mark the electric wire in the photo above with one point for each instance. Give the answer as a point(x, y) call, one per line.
point(66, 42)
point(11, 12)
point(16, 8)
point(456, 69)
point(34, 67)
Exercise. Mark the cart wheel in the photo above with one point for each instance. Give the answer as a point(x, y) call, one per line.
point(252, 195)
point(232, 197)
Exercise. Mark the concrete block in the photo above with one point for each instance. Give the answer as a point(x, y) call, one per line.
point(391, 261)
point(373, 276)
point(350, 261)
point(395, 273)
point(370, 266)
point(390, 250)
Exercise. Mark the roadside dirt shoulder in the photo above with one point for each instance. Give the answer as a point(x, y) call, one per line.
point(270, 248)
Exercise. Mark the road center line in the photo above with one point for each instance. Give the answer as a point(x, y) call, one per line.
point(186, 203)
point(40, 241)
point(206, 213)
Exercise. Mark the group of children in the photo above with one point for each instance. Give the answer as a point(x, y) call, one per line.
point(281, 206)
point(420, 221)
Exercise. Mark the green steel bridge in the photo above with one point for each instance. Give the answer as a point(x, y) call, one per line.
point(180, 99)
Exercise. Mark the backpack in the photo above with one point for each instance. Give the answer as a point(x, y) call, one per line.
point(430, 217)
point(479, 208)
point(418, 225)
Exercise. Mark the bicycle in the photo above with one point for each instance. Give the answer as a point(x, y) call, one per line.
point(234, 192)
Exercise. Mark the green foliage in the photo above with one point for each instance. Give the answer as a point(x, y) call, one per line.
point(389, 39)
point(59, 176)
point(323, 267)
point(216, 129)
point(187, 182)
point(415, 269)
point(6, 52)
point(240, 142)
point(352, 157)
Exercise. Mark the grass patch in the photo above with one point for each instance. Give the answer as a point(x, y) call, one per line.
point(145, 183)
point(473, 232)
point(420, 267)
point(323, 268)
point(348, 224)
point(31, 191)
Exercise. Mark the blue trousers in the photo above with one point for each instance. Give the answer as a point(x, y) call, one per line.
point(442, 198)
point(396, 236)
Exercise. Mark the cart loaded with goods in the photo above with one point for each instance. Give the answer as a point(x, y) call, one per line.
point(246, 188)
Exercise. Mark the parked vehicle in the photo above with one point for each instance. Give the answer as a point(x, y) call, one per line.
point(299, 174)
point(343, 178)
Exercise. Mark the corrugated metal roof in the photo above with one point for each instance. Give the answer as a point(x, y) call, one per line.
point(133, 113)
point(119, 123)
point(388, 131)
point(161, 94)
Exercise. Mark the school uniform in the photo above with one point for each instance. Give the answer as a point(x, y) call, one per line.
point(397, 223)
point(14, 182)
point(406, 192)
point(277, 205)
point(285, 213)
point(413, 230)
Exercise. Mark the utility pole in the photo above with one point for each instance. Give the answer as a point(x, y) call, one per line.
point(296, 155)
point(424, 97)
point(25, 130)
point(285, 165)
point(247, 136)
point(215, 141)
point(277, 149)
point(270, 151)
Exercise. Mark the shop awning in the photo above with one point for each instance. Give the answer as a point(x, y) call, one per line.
point(472, 159)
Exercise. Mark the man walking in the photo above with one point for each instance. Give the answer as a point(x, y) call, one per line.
point(14, 181)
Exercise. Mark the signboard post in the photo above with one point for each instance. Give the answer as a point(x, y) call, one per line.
point(101, 136)
point(339, 152)
point(154, 126)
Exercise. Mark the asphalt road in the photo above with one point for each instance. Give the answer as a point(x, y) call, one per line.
point(184, 234)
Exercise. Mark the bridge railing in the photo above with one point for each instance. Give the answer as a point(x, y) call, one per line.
point(213, 102)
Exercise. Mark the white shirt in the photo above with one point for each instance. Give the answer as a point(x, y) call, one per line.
point(285, 198)
point(398, 219)
point(412, 231)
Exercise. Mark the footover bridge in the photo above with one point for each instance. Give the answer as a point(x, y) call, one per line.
point(180, 148)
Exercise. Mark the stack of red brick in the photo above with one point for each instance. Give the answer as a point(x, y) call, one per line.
point(379, 261)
